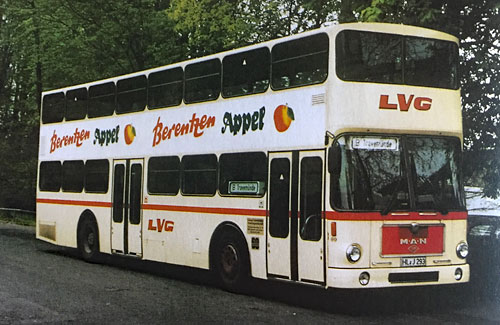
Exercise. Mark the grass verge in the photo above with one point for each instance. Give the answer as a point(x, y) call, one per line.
point(23, 218)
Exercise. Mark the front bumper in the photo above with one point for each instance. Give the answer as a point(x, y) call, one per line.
point(397, 277)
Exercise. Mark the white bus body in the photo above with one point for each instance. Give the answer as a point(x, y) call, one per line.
point(418, 242)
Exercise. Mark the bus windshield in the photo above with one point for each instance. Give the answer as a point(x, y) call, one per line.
point(395, 59)
point(395, 174)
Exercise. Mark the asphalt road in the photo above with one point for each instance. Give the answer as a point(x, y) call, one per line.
point(42, 283)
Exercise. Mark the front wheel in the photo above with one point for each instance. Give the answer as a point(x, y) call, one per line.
point(88, 240)
point(231, 262)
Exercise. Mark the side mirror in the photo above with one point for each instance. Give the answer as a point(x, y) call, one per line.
point(334, 159)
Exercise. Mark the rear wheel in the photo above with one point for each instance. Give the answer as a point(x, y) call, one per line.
point(231, 262)
point(88, 240)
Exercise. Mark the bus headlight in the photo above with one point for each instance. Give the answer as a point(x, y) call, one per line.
point(353, 253)
point(462, 250)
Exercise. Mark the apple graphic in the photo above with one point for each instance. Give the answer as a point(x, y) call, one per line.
point(283, 117)
point(129, 134)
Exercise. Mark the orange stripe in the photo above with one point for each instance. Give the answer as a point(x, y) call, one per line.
point(161, 207)
point(376, 216)
point(75, 202)
point(179, 208)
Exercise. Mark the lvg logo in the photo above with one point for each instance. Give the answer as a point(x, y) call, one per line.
point(161, 225)
point(404, 103)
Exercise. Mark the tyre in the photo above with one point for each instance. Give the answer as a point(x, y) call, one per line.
point(231, 262)
point(88, 240)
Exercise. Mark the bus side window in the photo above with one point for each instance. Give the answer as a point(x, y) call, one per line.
point(53, 108)
point(246, 73)
point(199, 174)
point(76, 104)
point(131, 94)
point(334, 168)
point(50, 176)
point(243, 174)
point(164, 175)
point(101, 100)
point(300, 62)
point(97, 176)
point(72, 180)
point(202, 81)
point(165, 88)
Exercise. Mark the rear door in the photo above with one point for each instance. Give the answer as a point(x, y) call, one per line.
point(126, 225)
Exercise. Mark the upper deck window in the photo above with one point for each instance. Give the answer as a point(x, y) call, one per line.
point(246, 73)
point(395, 59)
point(76, 104)
point(53, 108)
point(202, 81)
point(165, 88)
point(300, 62)
point(102, 100)
point(131, 95)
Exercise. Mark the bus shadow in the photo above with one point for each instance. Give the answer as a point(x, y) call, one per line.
point(353, 302)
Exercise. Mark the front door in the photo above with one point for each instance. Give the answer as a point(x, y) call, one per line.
point(295, 239)
point(126, 225)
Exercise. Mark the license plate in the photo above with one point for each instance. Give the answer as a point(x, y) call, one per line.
point(413, 261)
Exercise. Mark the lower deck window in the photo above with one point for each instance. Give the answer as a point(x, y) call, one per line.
point(199, 174)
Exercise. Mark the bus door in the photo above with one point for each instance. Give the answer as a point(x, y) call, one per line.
point(126, 225)
point(295, 239)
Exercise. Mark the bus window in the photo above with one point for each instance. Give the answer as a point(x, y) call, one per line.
point(394, 59)
point(72, 180)
point(311, 195)
point(102, 100)
point(76, 104)
point(50, 176)
point(163, 175)
point(53, 108)
point(279, 199)
point(369, 57)
point(202, 81)
point(431, 63)
point(165, 88)
point(96, 176)
point(300, 62)
point(246, 73)
point(243, 174)
point(199, 174)
point(131, 94)
point(135, 193)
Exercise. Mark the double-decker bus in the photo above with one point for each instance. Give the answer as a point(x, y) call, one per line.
point(330, 157)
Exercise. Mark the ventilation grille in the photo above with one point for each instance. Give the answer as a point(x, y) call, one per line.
point(47, 231)
point(318, 99)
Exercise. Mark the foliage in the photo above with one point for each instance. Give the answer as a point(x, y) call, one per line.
point(47, 44)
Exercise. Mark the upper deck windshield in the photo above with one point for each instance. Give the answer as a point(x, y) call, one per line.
point(405, 173)
point(396, 59)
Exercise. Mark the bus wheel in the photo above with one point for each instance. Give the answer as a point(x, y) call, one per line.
point(88, 239)
point(231, 262)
